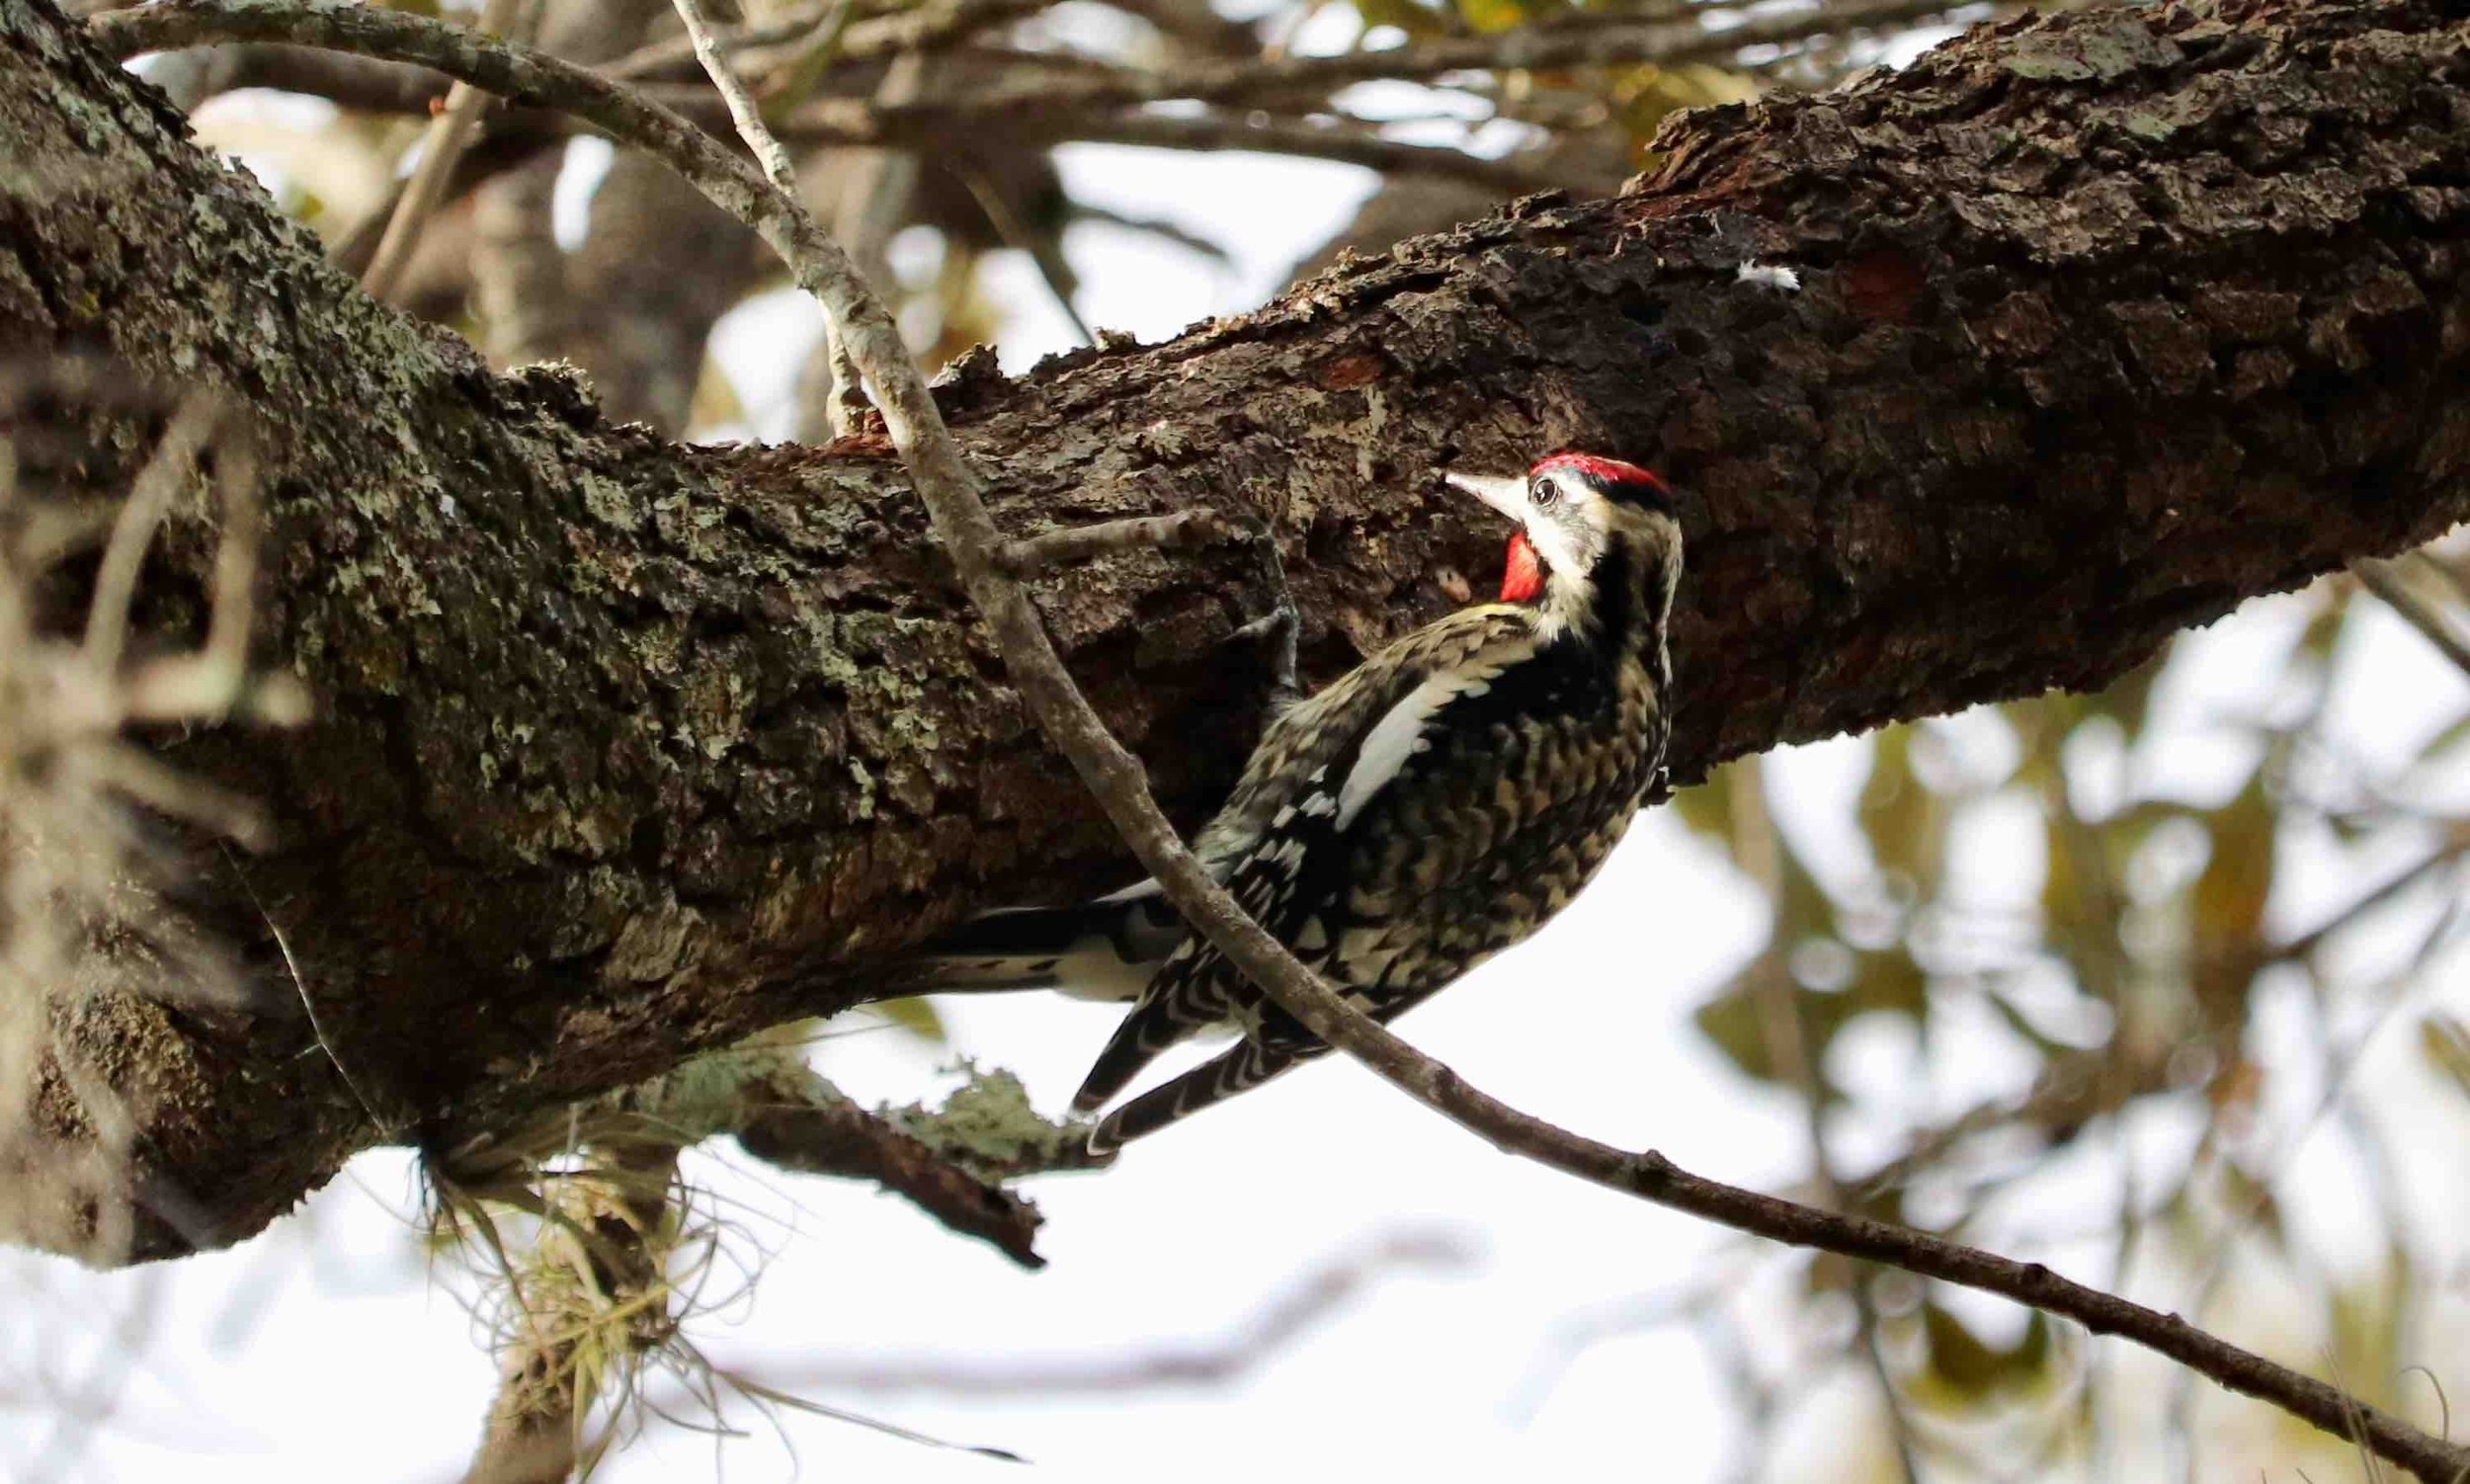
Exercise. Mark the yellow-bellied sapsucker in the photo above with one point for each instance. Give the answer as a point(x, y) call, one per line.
point(1436, 805)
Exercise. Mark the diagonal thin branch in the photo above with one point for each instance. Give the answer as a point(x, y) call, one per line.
point(918, 28)
point(816, 1131)
point(1586, 43)
point(742, 110)
point(185, 441)
point(1349, 141)
point(448, 135)
point(1033, 554)
point(1277, 1325)
point(951, 492)
point(2380, 579)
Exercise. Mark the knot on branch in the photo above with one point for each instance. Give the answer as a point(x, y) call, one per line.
point(969, 382)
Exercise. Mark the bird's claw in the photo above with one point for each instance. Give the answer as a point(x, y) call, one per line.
point(1282, 628)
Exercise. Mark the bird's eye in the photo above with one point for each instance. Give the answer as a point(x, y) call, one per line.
point(1545, 494)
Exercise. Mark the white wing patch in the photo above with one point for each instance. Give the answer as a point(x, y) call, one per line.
point(1399, 735)
point(1774, 276)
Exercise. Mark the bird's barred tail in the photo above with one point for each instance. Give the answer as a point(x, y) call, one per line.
point(1104, 950)
point(1241, 1069)
point(1171, 1013)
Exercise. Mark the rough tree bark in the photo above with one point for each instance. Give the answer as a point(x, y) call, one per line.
point(626, 748)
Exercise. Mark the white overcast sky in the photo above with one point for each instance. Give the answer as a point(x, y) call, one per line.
point(326, 1348)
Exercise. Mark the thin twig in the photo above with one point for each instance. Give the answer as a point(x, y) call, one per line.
point(1273, 1327)
point(1347, 141)
point(809, 1128)
point(920, 27)
point(450, 133)
point(841, 123)
point(2455, 574)
point(2416, 612)
point(742, 110)
point(968, 535)
point(2305, 944)
point(1033, 554)
point(876, 195)
point(1264, 80)
point(2341, 1064)
point(151, 497)
point(1045, 252)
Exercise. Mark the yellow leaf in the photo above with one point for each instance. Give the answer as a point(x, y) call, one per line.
point(1968, 1368)
point(1707, 809)
point(918, 1017)
point(1491, 15)
point(2446, 1046)
point(1906, 823)
point(2228, 903)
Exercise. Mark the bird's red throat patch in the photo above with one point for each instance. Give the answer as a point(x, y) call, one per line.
point(1521, 580)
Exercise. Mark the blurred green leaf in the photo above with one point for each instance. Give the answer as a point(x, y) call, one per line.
point(2127, 698)
point(1967, 1369)
point(1643, 97)
point(1420, 21)
point(1707, 809)
point(2323, 625)
point(1805, 910)
point(1887, 983)
point(2446, 1046)
point(1735, 1025)
point(918, 1017)
point(2227, 906)
point(2016, 1020)
point(2446, 741)
point(2251, 1203)
point(1905, 821)
point(1492, 15)
point(2041, 724)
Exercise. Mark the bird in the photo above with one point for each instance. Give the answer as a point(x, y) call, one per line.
point(1430, 809)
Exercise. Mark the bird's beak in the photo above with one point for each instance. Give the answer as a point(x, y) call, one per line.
point(1508, 496)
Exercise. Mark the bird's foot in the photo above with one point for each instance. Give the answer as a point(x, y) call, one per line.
point(1282, 627)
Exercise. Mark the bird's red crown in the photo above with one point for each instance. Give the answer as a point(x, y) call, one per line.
point(1602, 472)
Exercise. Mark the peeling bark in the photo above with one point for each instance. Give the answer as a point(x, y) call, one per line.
point(626, 748)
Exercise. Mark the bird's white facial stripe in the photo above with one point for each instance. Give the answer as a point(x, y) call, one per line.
point(1567, 537)
point(1399, 735)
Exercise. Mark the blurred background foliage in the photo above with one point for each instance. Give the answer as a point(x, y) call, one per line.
point(2132, 993)
point(2245, 859)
